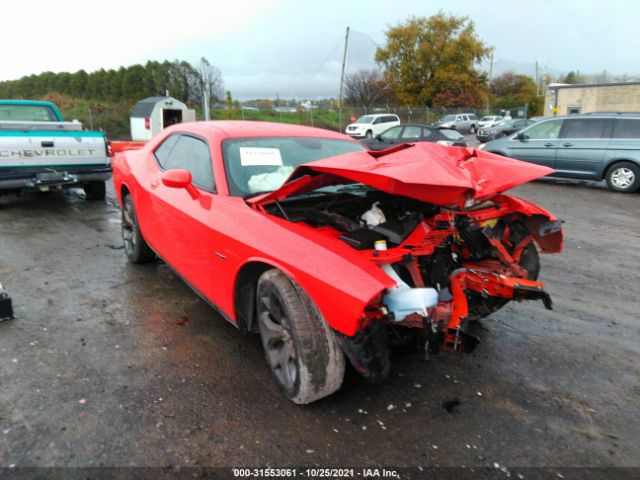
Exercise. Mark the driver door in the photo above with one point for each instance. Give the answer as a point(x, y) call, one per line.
point(185, 238)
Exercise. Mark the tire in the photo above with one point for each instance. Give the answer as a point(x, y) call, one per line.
point(623, 177)
point(301, 349)
point(135, 247)
point(369, 134)
point(95, 190)
point(472, 130)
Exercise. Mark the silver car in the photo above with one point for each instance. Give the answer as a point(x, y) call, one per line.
point(462, 122)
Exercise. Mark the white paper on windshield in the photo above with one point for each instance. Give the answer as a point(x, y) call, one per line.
point(258, 156)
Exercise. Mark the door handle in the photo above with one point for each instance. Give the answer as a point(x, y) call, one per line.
point(567, 144)
point(46, 143)
point(549, 144)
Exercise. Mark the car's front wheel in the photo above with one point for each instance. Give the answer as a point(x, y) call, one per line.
point(623, 177)
point(369, 134)
point(135, 247)
point(472, 130)
point(301, 349)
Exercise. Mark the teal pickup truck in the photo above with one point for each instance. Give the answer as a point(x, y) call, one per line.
point(40, 151)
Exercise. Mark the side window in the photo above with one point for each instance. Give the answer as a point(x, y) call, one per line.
point(585, 127)
point(459, 118)
point(626, 128)
point(411, 131)
point(378, 120)
point(426, 132)
point(544, 130)
point(472, 116)
point(391, 134)
point(164, 150)
point(190, 153)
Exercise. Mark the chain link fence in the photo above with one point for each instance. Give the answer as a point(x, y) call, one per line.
point(115, 121)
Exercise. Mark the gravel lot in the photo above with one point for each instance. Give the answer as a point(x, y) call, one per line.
point(111, 364)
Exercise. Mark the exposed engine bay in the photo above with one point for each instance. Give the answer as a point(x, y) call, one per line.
point(451, 266)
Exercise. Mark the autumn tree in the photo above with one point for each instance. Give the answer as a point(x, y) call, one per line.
point(364, 88)
point(510, 90)
point(431, 61)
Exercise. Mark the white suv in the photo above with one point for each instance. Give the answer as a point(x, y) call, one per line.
point(372, 125)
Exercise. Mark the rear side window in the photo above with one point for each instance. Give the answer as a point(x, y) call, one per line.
point(411, 132)
point(626, 128)
point(585, 127)
point(426, 132)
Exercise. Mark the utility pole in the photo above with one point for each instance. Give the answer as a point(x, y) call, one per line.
point(205, 102)
point(490, 68)
point(344, 62)
point(490, 75)
point(537, 81)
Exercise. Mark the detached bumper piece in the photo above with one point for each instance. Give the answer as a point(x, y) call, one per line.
point(486, 280)
point(6, 308)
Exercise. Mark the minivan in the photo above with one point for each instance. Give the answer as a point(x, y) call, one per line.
point(369, 126)
point(594, 146)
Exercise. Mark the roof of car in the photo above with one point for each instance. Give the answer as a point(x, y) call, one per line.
point(246, 128)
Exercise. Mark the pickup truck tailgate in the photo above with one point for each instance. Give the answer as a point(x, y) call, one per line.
point(52, 150)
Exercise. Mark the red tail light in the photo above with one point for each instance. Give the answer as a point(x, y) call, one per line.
point(147, 124)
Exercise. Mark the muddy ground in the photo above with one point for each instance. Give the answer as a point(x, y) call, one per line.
point(112, 364)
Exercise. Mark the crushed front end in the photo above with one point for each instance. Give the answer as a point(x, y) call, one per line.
point(454, 268)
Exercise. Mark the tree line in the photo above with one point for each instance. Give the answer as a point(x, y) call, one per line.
point(185, 81)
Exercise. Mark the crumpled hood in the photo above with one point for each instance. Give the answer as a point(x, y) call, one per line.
point(428, 172)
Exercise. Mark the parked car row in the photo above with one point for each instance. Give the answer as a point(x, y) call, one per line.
point(502, 128)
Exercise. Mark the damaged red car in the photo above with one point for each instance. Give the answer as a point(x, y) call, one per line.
point(329, 251)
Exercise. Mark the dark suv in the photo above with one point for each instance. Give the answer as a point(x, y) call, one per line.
point(591, 146)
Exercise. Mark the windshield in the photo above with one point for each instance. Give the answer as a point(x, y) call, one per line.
point(27, 113)
point(505, 123)
point(365, 119)
point(448, 118)
point(257, 165)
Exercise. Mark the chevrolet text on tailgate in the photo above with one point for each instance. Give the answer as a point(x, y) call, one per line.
point(40, 151)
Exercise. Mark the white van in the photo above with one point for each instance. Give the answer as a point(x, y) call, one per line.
point(371, 125)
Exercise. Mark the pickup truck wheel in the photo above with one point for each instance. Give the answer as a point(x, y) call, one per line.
point(135, 247)
point(301, 349)
point(623, 177)
point(95, 190)
point(472, 130)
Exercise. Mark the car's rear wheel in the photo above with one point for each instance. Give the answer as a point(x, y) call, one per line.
point(301, 349)
point(95, 190)
point(135, 247)
point(623, 177)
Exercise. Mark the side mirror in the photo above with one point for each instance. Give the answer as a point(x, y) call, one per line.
point(178, 178)
point(522, 136)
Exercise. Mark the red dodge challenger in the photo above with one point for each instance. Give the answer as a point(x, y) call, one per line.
point(331, 251)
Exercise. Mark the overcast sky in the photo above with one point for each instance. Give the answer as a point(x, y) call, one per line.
point(294, 48)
